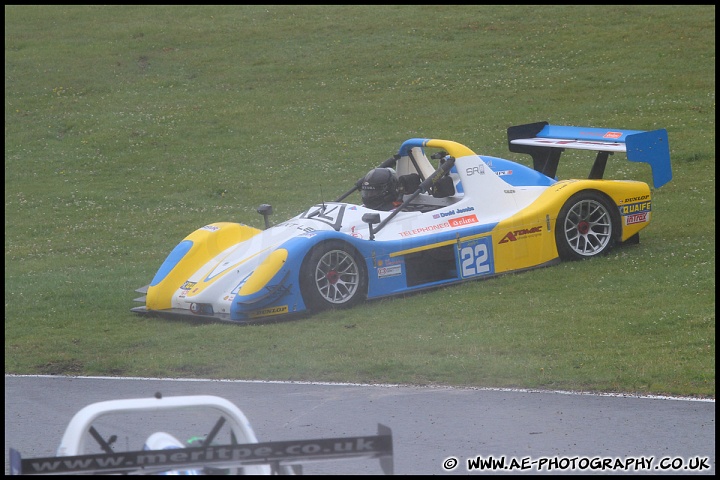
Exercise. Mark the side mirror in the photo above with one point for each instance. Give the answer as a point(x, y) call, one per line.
point(265, 210)
point(370, 219)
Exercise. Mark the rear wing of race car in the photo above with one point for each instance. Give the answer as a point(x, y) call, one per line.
point(280, 455)
point(546, 142)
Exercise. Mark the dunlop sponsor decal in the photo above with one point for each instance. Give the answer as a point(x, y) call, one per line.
point(267, 312)
point(641, 198)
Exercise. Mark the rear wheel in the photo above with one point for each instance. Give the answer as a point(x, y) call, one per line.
point(587, 226)
point(333, 276)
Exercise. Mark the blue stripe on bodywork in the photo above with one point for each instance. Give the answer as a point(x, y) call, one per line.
point(585, 133)
point(173, 259)
point(516, 174)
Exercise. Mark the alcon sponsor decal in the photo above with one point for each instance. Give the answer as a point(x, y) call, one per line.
point(390, 271)
point(521, 233)
point(453, 212)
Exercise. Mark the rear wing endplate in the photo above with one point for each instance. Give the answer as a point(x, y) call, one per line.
point(546, 142)
point(277, 454)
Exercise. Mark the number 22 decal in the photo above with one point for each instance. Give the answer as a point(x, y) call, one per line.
point(475, 260)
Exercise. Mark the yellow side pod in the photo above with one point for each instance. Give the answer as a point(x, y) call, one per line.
point(193, 252)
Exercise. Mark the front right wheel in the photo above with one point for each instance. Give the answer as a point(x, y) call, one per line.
point(333, 276)
point(587, 226)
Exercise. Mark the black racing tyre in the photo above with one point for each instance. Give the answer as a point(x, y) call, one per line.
point(333, 275)
point(587, 226)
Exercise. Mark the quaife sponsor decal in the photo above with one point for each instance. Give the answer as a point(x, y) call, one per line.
point(521, 233)
point(635, 208)
point(266, 312)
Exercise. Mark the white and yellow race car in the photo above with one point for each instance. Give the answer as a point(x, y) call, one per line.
point(447, 215)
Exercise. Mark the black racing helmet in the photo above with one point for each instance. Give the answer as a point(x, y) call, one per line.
point(379, 187)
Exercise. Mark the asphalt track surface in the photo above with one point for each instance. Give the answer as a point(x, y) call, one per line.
point(430, 425)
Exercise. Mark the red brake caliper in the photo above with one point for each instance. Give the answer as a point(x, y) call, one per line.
point(583, 227)
point(332, 277)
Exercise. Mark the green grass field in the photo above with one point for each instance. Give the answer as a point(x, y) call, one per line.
point(128, 127)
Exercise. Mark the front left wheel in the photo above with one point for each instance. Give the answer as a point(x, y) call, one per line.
point(333, 276)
